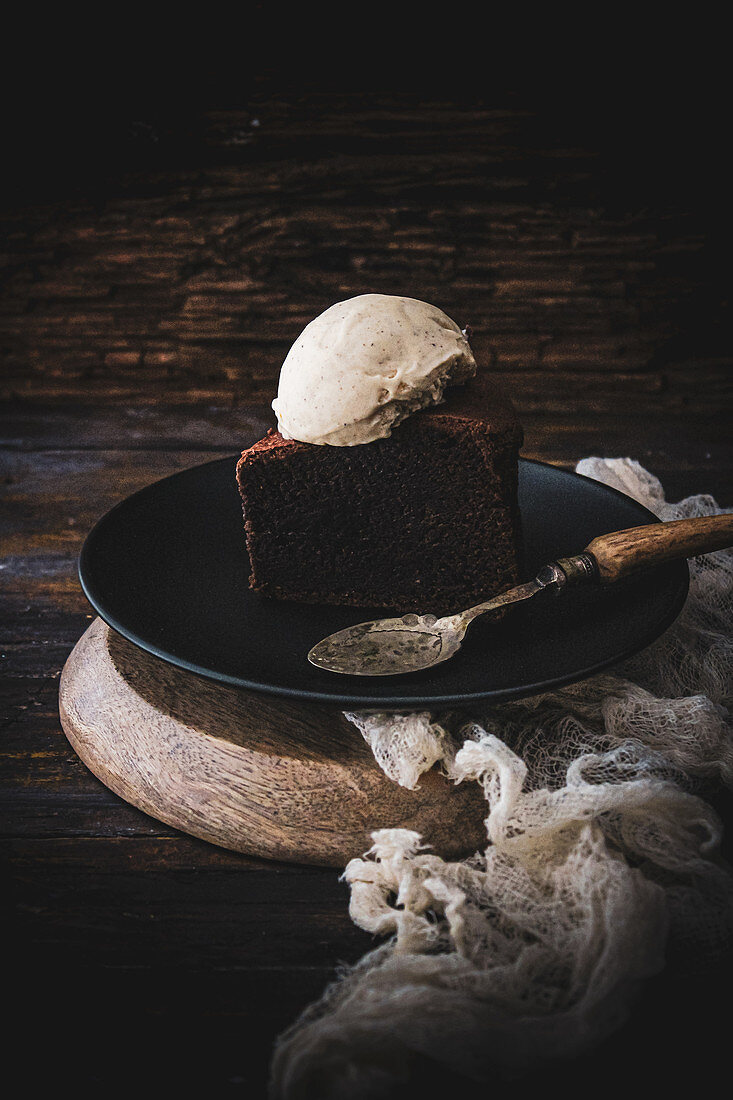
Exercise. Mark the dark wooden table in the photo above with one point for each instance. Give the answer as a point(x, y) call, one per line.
point(154, 280)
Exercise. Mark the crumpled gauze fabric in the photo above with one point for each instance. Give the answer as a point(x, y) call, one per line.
point(600, 861)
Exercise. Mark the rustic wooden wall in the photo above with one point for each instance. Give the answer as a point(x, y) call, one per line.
point(182, 263)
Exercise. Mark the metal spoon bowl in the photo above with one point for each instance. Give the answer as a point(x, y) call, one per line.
point(387, 647)
point(392, 647)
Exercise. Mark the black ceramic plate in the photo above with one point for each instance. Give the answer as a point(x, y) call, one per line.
point(167, 568)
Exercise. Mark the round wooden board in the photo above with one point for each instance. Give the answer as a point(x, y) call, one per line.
point(246, 771)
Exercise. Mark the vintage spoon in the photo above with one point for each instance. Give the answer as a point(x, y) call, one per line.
point(390, 647)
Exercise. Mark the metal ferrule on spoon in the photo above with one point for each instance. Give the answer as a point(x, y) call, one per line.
point(389, 647)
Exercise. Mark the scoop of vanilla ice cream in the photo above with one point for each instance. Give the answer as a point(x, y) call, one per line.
point(365, 364)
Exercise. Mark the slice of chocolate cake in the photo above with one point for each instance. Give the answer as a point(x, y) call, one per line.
point(425, 520)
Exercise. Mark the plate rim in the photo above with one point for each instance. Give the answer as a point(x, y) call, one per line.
point(394, 701)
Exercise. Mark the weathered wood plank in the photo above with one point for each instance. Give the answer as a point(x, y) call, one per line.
point(206, 908)
point(77, 484)
point(675, 440)
point(191, 278)
point(170, 1028)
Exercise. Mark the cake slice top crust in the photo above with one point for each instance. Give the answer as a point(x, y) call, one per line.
point(478, 401)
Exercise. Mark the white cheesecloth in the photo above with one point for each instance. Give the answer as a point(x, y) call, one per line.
point(601, 860)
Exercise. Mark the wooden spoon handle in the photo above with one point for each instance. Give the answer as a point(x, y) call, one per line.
point(624, 552)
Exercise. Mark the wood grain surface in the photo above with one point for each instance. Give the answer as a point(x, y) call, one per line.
point(156, 265)
point(247, 772)
point(621, 553)
point(189, 276)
